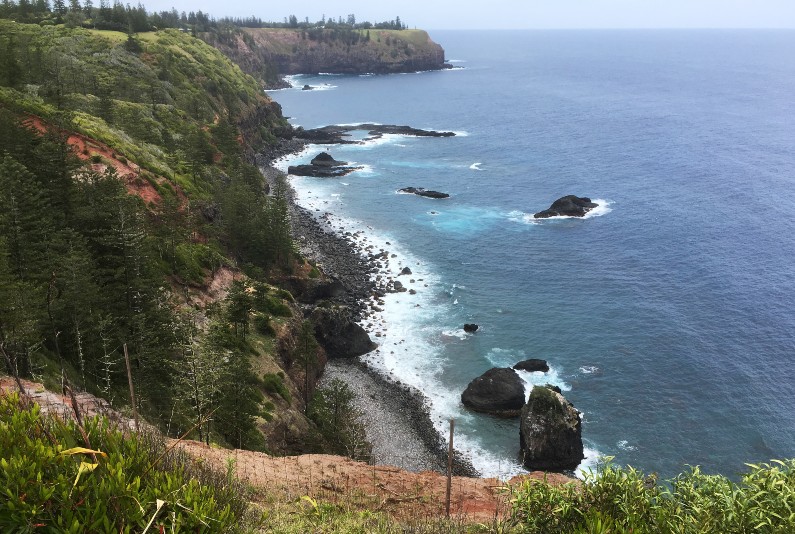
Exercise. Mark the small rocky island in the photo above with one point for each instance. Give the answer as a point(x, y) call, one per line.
point(550, 432)
point(568, 206)
point(498, 391)
point(422, 192)
point(322, 166)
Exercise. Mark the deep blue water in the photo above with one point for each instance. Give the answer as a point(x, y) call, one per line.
point(669, 318)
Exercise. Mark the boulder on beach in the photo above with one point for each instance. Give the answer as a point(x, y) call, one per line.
point(550, 432)
point(471, 328)
point(498, 391)
point(532, 365)
point(324, 159)
point(422, 192)
point(338, 334)
point(569, 206)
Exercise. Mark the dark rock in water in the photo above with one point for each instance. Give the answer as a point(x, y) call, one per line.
point(420, 191)
point(307, 87)
point(550, 432)
point(471, 328)
point(324, 159)
point(569, 206)
point(338, 334)
point(320, 171)
point(532, 365)
point(398, 287)
point(405, 270)
point(498, 391)
point(340, 134)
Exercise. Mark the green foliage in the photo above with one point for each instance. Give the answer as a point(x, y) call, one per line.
point(544, 401)
point(262, 324)
point(338, 420)
point(194, 260)
point(266, 303)
point(625, 500)
point(53, 480)
point(274, 383)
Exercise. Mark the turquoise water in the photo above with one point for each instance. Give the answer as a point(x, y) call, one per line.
point(667, 316)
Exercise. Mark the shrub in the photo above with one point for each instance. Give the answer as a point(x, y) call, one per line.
point(267, 304)
point(262, 324)
point(274, 383)
point(616, 499)
point(52, 478)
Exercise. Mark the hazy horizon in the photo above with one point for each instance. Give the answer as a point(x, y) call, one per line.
point(514, 15)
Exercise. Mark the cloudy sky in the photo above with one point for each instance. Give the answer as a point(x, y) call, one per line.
point(511, 14)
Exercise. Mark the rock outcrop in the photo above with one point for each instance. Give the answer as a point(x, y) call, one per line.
point(568, 206)
point(422, 192)
point(471, 328)
point(532, 365)
point(336, 134)
point(338, 334)
point(322, 166)
point(550, 432)
point(498, 391)
point(324, 159)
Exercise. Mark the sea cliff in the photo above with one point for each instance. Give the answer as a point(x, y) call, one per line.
point(266, 52)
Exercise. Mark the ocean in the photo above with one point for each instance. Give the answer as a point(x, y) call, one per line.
point(667, 315)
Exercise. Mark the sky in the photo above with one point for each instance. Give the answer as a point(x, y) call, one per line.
point(513, 14)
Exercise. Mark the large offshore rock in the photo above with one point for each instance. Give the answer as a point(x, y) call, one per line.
point(532, 365)
point(550, 432)
point(498, 391)
point(569, 206)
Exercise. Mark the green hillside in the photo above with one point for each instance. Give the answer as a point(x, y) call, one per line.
point(126, 190)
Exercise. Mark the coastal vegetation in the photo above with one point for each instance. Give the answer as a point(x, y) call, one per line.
point(128, 196)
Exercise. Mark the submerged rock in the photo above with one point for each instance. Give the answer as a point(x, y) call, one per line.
point(569, 206)
point(550, 432)
point(420, 191)
point(532, 365)
point(498, 391)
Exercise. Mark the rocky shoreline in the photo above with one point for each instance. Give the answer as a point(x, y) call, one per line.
point(396, 416)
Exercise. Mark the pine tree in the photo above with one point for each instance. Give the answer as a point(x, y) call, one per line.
point(305, 353)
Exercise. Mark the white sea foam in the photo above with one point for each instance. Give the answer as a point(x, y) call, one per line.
point(625, 446)
point(603, 208)
point(589, 464)
point(476, 166)
point(461, 133)
point(369, 144)
point(590, 370)
point(455, 333)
